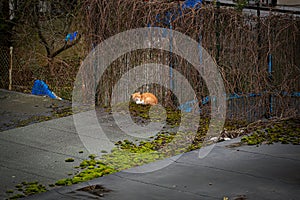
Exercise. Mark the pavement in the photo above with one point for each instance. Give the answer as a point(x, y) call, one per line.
point(19, 109)
point(248, 172)
point(37, 152)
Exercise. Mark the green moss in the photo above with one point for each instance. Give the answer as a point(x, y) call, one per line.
point(285, 132)
point(28, 189)
point(92, 156)
point(34, 189)
point(57, 113)
point(84, 164)
point(233, 124)
point(32, 120)
point(127, 154)
point(69, 160)
point(17, 196)
point(24, 183)
point(65, 181)
point(89, 172)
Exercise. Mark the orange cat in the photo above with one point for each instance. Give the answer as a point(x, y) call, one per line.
point(145, 98)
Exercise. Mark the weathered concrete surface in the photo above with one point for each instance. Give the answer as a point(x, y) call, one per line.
point(18, 109)
point(38, 152)
point(246, 172)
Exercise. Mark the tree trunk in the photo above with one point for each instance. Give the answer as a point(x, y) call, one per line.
point(51, 66)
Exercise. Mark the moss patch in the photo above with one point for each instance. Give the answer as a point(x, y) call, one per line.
point(28, 189)
point(285, 132)
point(140, 113)
point(127, 154)
point(91, 169)
point(31, 120)
point(69, 160)
point(56, 112)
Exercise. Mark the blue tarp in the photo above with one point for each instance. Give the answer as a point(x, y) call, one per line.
point(172, 15)
point(41, 88)
point(188, 106)
point(71, 36)
point(192, 4)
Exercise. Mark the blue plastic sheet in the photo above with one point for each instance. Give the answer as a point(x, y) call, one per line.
point(71, 36)
point(188, 106)
point(192, 4)
point(173, 14)
point(41, 88)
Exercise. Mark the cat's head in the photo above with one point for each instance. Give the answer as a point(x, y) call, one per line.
point(136, 96)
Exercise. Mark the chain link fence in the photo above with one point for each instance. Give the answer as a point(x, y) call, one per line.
point(257, 57)
point(5, 65)
point(14, 76)
point(19, 69)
